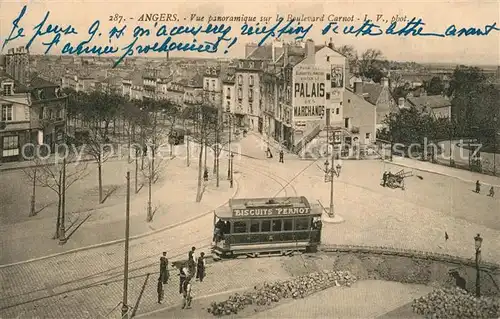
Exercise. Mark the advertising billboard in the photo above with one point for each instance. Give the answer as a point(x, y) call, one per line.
point(337, 82)
point(309, 92)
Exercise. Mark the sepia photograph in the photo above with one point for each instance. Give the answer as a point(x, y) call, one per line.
point(232, 159)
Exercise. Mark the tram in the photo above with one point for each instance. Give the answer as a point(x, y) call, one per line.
point(255, 226)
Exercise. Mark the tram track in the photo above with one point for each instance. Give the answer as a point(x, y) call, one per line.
point(278, 179)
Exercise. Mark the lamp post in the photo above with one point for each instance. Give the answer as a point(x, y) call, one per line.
point(478, 241)
point(231, 168)
point(329, 175)
point(230, 124)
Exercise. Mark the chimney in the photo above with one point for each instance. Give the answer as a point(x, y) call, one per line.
point(310, 50)
point(401, 102)
point(330, 44)
point(285, 54)
point(385, 82)
point(358, 87)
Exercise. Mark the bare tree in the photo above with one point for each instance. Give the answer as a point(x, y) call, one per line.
point(58, 177)
point(155, 139)
point(204, 116)
point(100, 112)
point(216, 140)
point(351, 55)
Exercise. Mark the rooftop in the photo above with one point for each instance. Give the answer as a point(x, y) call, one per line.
point(432, 101)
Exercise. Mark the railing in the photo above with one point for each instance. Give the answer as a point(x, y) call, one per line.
point(306, 139)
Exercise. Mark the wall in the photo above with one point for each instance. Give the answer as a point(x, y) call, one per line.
point(362, 114)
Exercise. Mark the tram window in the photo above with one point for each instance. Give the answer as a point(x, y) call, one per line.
point(301, 224)
point(276, 225)
point(288, 224)
point(254, 226)
point(239, 227)
point(266, 226)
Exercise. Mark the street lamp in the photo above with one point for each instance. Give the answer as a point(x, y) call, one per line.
point(231, 168)
point(230, 124)
point(478, 241)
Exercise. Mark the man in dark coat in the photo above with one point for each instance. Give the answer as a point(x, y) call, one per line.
point(478, 187)
point(384, 179)
point(200, 267)
point(281, 156)
point(164, 268)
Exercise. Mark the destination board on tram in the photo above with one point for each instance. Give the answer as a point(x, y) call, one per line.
point(271, 211)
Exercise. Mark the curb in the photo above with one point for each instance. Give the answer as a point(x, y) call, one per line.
point(117, 241)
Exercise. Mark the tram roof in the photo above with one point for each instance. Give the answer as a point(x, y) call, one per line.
point(227, 210)
point(244, 203)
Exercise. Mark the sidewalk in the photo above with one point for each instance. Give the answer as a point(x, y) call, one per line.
point(255, 145)
point(464, 175)
point(173, 201)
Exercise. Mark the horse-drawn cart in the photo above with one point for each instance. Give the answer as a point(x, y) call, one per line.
point(398, 179)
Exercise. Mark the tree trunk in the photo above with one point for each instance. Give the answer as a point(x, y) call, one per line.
point(217, 166)
point(99, 167)
point(59, 204)
point(199, 192)
point(214, 170)
point(204, 141)
point(152, 173)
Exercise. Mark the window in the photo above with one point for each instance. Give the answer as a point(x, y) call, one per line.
point(346, 122)
point(7, 113)
point(337, 111)
point(254, 226)
point(251, 65)
point(367, 135)
point(250, 94)
point(301, 224)
point(239, 227)
point(327, 59)
point(10, 146)
point(276, 225)
point(327, 96)
point(26, 113)
point(348, 100)
point(288, 224)
point(250, 79)
point(240, 93)
point(7, 89)
point(266, 226)
point(228, 93)
point(213, 84)
point(240, 79)
point(328, 76)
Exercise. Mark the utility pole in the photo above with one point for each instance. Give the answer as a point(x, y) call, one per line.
point(217, 138)
point(230, 124)
point(125, 264)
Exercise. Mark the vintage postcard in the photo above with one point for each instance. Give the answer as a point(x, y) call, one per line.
point(275, 159)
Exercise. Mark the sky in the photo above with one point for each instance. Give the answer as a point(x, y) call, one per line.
point(437, 15)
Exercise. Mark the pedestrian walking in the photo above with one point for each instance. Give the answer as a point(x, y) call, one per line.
point(281, 156)
point(164, 274)
point(478, 187)
point(269, 153)
point(183, 272)
point(200, 267)
point(492, 192)
point(384, 179)
point(191, 254)
point(191, 265)
point(205, 175)
point(186, 294)
point(160, 291)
